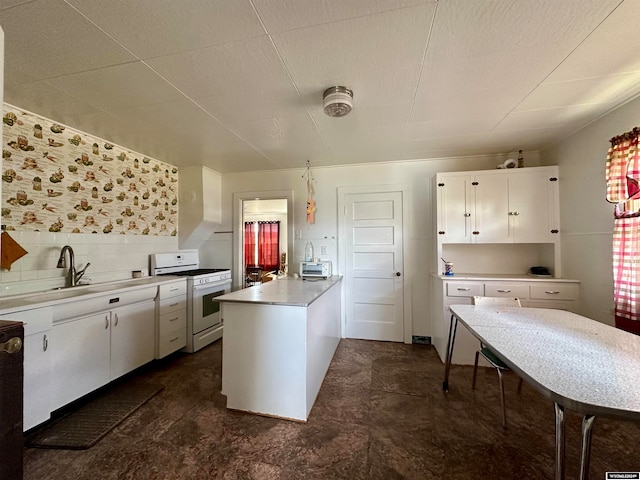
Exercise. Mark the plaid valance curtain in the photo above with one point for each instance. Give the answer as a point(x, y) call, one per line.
point(623, 189)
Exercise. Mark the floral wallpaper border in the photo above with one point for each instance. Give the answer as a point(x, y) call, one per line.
point(58, 179)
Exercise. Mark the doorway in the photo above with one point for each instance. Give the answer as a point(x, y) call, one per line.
point(260, 208)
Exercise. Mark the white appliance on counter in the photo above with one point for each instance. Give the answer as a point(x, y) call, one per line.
point(204, 325)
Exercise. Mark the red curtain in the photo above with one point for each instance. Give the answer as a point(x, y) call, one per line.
point(250, 243)
point(269, 245)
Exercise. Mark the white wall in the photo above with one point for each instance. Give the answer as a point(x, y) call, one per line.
point(217, 251)
point(586, 217)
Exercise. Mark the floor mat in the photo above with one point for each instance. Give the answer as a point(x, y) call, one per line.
point(82, 428)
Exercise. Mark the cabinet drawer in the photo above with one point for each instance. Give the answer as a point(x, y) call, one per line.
point(172, 342)
point(173, 289)
point(506, 290)
point(465, 289)
point(172, 305)
point(554, 291)
point(172, 321)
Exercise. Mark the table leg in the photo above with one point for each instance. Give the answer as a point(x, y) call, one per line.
point(453, 325)
point(559, 409)
point(587, 426)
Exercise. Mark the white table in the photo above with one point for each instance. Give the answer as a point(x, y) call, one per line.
point(574, 361)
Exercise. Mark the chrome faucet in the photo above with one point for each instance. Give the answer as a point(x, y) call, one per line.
point(72, 275)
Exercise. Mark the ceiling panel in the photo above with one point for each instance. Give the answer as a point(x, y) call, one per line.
point(174, 26)
point(579, 92)
point(608, 50)
point(284, 139)
point(283, 15)
point(47, 38)
point(378, 56)
point(118, 86)
point(48, 100)
point(222, 69)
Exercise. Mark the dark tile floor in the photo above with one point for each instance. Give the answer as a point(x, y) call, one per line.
point(380, 414)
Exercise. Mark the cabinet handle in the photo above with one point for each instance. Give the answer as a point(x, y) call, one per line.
point(106, 322)
point(174, 289)
point(174, 319)
point(476, 232)
point(552, 292)
point(173, 339)
point(116, 315)
point(503, 291)
point(514, 213)
point(554, 231)
point(174, 304)
point(460, 289)
point(13, 345)
point(467, 214)
point(45, 343)
point(441, 232)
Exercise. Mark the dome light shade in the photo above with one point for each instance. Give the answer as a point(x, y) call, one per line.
point(338, 101)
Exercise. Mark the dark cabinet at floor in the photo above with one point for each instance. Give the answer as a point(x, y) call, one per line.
point(11, 378)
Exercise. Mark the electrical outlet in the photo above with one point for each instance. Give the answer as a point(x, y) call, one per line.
point(323, 250)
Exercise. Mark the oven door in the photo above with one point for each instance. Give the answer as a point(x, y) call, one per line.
point(205, 307)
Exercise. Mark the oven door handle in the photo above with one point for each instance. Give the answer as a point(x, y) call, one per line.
point(212, 287)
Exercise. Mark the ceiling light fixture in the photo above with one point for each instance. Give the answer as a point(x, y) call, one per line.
point(338, 101)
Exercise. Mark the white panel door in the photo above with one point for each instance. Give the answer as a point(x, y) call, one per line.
point(374, 266)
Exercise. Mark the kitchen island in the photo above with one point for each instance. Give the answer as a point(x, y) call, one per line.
point(279, 339)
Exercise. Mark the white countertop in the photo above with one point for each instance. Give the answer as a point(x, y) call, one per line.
point(52, 297)
point(500, 276)
point(283, 291)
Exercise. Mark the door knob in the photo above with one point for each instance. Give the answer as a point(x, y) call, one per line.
point(398, 274)
point(13, 345)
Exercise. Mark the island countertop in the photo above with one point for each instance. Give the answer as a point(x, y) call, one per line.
point(289, 291)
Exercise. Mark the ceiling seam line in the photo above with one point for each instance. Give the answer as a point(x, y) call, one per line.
point(422, 62)
point(293, 83)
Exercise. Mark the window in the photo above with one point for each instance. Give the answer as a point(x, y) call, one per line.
point(262, 244)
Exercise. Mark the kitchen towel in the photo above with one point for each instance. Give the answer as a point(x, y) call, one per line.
point(10, 251)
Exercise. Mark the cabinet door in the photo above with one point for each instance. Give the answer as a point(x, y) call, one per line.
point(132, 337)
point(80, 357)
point(532, 206)
point(454, 208)
point(37, 364)
point(37, 379)
point(491, 208)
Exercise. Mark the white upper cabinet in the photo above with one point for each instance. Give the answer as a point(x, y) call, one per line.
point(533, 205)
point(498, 206)
point(455, 207)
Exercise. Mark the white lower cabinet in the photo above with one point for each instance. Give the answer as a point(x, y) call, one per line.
point(37, 364)
point(132, 337)
point(81, 357)
point(558, 294)
point(172, 318)
point(95, 349)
